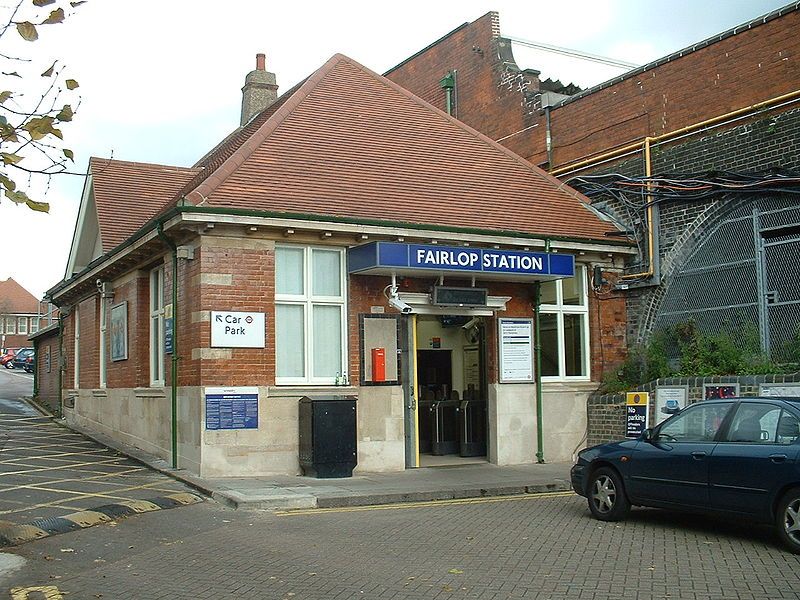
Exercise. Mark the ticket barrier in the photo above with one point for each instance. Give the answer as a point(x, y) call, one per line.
point(472, 428)
point(444, 427)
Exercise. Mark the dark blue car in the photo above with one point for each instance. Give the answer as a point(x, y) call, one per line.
point(738, 456)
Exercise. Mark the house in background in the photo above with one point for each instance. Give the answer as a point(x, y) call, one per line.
point(21, 314)
point(349, 238)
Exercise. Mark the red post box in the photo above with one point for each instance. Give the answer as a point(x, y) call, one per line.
point(378, 364)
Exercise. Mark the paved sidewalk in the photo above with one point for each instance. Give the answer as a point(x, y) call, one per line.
point(414, 485)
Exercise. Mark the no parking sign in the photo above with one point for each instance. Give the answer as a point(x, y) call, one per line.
point(636, 406)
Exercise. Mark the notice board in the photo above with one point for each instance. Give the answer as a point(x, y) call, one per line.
point(231, 408)
point(516, 350)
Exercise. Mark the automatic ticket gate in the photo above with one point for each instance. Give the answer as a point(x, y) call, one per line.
point(452, 427)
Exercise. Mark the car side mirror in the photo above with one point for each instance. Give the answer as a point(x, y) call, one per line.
point(647, 435)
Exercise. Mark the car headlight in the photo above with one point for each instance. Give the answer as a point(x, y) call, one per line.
point(586, 455)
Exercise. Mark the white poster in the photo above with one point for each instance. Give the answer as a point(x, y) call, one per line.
point(669, 400)
point(779, 390)
point(237, 329)
point(516, 350)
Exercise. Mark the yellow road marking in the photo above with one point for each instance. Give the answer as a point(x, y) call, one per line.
point(68, 479)
point(84, 496)
point(59, 456)
point(405, 505)
point(48, 592)
point(60, 467)
point(39, 446)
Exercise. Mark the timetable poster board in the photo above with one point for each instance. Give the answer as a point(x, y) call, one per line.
point(516, 350)
point(231, 408)
point(636, 405)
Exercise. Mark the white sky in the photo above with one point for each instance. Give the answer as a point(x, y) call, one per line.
point(161, 80)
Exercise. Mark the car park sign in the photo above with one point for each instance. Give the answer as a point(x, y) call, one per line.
point(237, 329)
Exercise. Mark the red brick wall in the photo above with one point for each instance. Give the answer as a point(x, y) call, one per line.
point(252, 289)
point(749, 67)
point(734, 73)
point(89, 369)
point(47, 366)
point(135, 371)
point(487, 97)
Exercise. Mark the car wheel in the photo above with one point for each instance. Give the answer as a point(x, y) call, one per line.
point(607, 498)
point(788, 520)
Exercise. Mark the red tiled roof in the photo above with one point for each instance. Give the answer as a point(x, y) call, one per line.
point(350, 143)
point(15, 299)
point(128, 194)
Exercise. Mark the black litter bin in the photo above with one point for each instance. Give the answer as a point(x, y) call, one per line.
point(473, 428)
point(328, 436)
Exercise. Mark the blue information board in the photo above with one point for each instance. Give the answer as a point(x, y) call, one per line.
point(168, 335)
point(232, 408)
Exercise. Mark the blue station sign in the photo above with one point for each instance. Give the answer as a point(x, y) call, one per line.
point(386, 257)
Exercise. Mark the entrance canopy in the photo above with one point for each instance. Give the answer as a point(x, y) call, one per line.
point(395, 258)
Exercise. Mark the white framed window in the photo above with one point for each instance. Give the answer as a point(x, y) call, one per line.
point(34, 324)
point(22, 325)
point(11, 325)
point(564, 328)
point(310, 317)
point(2, 324)
point(76, 363)
point(157, 326)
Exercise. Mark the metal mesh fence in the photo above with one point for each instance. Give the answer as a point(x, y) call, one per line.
point(744, 275)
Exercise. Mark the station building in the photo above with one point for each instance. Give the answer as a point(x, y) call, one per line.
point(351, 239)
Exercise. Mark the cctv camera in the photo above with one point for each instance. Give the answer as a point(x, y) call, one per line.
point(473, 322)
point(399, 305)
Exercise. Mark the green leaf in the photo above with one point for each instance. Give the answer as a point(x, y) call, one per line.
point(8, 183)
point(39, 127)
point(8, 134)
point(3, 122)
point(14, 74)
point(65, 114)
point(18, 197)
point(4, 96)
point(71, 84)
point(28, 31)
point(77, 4)
point(56, 16)
point(49, 72)
point(41, 3)
point(69, 154)
point(38, 206)
point(10, 159)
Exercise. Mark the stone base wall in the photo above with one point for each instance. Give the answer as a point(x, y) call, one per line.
point(512, 421)
point(142, 417)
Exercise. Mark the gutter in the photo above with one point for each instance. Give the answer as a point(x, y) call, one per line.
point(174, 372)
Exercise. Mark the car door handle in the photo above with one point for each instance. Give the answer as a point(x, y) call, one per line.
point(698, 455)
point(777, 458)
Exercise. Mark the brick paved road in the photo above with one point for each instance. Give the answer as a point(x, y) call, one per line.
point(491, 549)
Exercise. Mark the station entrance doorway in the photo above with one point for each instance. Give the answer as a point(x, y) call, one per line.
point(451, 390)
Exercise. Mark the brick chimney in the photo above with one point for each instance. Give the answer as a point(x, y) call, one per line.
point(259, 91)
